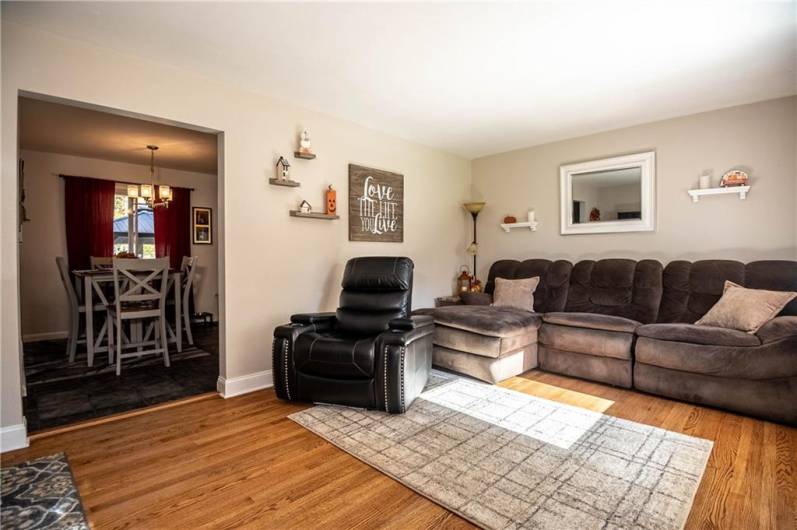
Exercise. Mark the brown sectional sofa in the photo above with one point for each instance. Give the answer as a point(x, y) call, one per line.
point(631, 324)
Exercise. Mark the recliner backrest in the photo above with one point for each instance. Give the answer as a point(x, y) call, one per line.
point(551, 293)
point(617, 287)
point(375, 291)
point(691, 289)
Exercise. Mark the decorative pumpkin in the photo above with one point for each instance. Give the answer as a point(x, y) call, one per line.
point(594, 215)
point(510, 219)
point(332, 200)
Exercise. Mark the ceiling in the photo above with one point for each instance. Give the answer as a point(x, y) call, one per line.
point(57, 128)
point(469, 78)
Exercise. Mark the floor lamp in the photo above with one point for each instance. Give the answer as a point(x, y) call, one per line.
point(474, 208)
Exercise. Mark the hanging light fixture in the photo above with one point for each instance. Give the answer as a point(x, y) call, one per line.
point(147, 191)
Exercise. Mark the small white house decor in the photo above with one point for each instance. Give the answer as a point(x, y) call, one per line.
point(621, 188)
point(283, 168)
point(376, 205)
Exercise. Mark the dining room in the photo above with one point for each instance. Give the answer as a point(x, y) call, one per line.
point(119, 263)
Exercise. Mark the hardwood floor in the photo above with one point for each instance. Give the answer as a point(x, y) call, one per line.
point(240, 463)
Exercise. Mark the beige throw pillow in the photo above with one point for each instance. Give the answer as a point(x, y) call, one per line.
point(515, 293)
point(745, 309)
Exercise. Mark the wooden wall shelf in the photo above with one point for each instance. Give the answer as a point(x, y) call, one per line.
point(304, 156)
point(284, 182)
point(313, 215)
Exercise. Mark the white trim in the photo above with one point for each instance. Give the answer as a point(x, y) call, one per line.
point(646, 162)
point(50, 335)
point(13, 437)
point(235, 386)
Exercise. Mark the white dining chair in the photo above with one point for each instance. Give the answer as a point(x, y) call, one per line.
point(76, 307)
point(188, 268)
point(139, 295)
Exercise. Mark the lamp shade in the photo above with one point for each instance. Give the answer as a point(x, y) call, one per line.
point(473, 249)
point(165, 192)
point(146, 191)
point(132, 190)
point(474, 207)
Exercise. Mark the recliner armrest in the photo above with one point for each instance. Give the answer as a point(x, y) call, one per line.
point(778, 328)
point(313, 318)
point(410, 323)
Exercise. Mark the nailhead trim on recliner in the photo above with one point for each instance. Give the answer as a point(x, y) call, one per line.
point(285, 366)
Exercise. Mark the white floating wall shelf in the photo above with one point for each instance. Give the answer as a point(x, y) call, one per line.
point(737, 190)
point(531, 224)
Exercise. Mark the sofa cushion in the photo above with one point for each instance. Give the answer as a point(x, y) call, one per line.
point(619, 287)
point(482, 345)
point(694, 334)
point(487, 320)
point(597, 342)
point(592, 321)
point(778, 328)
point(769, 361)
point(745, 309)
point(325, 354)
point(515, 293)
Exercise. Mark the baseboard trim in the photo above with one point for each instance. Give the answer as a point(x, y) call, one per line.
point(13, 437)
point(236, 386)
point(50, 335)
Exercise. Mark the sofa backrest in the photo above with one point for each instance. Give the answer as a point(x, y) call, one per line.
point(551, 293)
point(617, 287)
point(692, 288)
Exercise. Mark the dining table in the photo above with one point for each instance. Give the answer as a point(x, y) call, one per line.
point(93, 280)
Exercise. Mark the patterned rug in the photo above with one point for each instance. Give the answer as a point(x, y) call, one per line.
point(47, 368)
point(504, 459)
point(41, 494)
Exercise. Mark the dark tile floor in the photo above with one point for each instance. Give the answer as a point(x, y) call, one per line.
point(59, 396)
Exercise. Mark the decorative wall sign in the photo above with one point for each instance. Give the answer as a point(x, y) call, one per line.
point(202, 225)
point(376, 205)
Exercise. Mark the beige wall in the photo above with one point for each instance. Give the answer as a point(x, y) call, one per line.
point(275, 265)
point(759, 137)
point(43, 302)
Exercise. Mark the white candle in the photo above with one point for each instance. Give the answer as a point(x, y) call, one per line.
point(705, 182)
point(531, 216)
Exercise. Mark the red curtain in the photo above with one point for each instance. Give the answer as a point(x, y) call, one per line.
point(173, 227)
point(89, 219)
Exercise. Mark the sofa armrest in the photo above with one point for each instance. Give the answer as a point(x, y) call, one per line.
point(409, 323)
point(476, 298)
point(778, 328)
point(313, 318)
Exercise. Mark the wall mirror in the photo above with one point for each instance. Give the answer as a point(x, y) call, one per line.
point(609, 195)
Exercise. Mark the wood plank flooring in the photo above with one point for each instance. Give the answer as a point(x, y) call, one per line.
point(240, 463)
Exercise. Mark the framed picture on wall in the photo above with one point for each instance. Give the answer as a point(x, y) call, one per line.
point(202, 219)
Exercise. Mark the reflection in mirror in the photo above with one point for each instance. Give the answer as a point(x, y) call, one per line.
point(610, 195)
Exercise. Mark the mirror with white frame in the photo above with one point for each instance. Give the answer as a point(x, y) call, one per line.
point(609, 195)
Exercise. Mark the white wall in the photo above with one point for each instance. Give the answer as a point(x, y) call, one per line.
point(275, 265)
point(759, 137)
point(44, 302)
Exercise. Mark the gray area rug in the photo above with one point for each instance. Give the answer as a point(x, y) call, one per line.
point(41, 494)
point(504, 459)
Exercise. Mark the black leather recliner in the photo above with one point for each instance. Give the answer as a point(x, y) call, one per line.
point(370, 353)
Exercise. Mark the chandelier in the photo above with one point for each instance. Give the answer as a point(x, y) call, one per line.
point(147, 191)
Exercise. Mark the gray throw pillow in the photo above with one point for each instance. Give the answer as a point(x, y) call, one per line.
point(745, 309)
point(515, 293)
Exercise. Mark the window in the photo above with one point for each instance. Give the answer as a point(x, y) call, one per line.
point(133, 225)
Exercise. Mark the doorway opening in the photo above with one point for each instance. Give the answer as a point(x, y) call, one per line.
point(98, 184)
